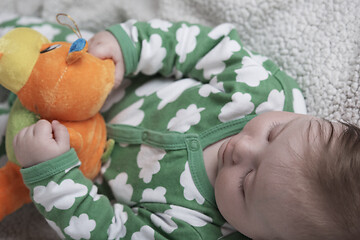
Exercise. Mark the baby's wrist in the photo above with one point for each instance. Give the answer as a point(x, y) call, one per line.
point(32, 163)
point(50, 168)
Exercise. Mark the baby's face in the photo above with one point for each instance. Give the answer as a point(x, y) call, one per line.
point(258, 173)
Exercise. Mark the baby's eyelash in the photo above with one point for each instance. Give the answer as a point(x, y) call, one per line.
point(241, 183)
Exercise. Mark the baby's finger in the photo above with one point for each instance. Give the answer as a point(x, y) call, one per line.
point(43, 128)
point(22, 132)
point(97, 51)
point(119, 75)
point(61, 134)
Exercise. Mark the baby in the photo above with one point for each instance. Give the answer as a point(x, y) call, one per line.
point(227, 148)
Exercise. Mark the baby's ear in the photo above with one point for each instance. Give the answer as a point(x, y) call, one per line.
point(77, 50)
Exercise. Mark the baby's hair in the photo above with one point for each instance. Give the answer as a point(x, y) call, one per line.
point(335, 178)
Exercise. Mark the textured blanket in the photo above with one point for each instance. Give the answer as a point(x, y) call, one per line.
point(316, 42)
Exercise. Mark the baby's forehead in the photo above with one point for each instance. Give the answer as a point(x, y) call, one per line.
point(310, 137)
point(319, 138)
point(322, 132)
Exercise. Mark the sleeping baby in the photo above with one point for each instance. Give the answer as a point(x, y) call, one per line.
point(211, 142)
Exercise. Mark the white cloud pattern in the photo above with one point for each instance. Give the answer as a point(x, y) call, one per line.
point(275, 102)
point(61, 196)
point(177, 73)
point(240, 106)
point(152, 86)
point(186, 37)
point(185, 118)
point(131, 115)
point(145, 232)
point(73, 166)
point(163, 221)
point(251, 73)
point(152, 55)
point(117, 227)
point(160, 24)
point(192, 217)
point(190, 190)
point(213, 87)
point(94, 193)
point(148, 161)
point(131, 30)
point(105, 166)
point(171, 92)
point(221, 30)
point(122, 191)
point(80, 227)
point(260, 59)
point(213, 62)
point(154, 195)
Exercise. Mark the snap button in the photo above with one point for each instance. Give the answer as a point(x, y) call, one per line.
point(144, 136)
point(194, 145)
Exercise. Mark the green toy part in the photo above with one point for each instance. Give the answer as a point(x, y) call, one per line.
point(19, 118)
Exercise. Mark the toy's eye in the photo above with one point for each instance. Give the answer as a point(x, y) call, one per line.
point(52, 47)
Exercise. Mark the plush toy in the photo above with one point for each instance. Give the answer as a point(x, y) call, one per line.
point(52, 81)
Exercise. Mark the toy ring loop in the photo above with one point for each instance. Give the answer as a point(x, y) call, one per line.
point(76, 31)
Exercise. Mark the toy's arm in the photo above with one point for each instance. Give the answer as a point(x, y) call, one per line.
point(13, 192)
point(19, 118)
point(180, 49)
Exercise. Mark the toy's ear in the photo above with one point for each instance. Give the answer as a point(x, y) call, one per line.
point(77, 50)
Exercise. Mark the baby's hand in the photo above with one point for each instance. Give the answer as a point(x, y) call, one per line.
point(40, 142)
point(105, 46)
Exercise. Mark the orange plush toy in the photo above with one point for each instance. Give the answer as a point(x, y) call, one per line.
point(52, 81)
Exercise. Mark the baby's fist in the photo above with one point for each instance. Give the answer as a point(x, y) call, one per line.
point(105, 46)
point(40, 142)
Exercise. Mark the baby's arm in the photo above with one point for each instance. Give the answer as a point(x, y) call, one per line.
point(105, 46)
point(40, 142)
point(51, 172)
point(178, 48)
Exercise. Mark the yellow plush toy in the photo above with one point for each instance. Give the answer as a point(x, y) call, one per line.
point(52, 81)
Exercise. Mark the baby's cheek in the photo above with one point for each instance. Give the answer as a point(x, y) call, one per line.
point(228, 198)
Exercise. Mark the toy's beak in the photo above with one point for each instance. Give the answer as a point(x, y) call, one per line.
point(1, 55)
point(77, 50)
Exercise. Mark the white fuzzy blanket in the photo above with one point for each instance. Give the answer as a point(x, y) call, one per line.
point(316, 42)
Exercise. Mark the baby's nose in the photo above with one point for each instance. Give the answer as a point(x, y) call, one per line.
point(245, 150)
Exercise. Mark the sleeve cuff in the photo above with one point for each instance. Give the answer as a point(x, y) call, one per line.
point(49, 168)
point(127, 47)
